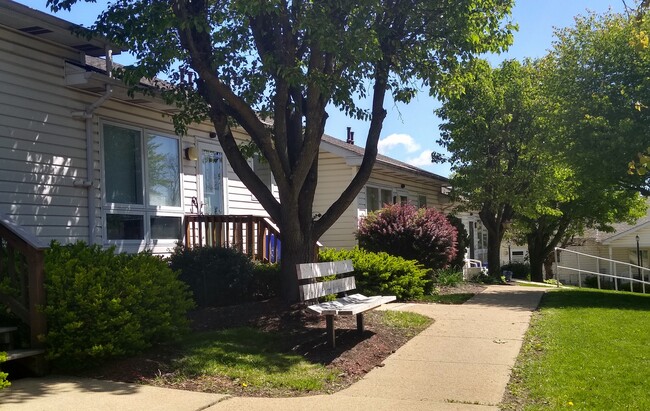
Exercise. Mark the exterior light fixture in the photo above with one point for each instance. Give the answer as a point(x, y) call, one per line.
point(191, 153)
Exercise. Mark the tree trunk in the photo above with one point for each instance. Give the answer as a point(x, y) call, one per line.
point(494, 253)
point(536, 257)
point(295, 250)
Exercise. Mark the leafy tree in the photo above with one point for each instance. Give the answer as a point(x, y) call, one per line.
point(491, 129)
point(594, 77)
point(600, 82)
point(272, 67)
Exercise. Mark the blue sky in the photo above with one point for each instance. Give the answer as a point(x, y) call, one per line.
point(410, 131)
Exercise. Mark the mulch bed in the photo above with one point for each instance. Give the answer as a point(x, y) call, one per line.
point(354, 355)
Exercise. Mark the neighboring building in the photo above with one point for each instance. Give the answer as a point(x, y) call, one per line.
point(621, 245)
point(391, 182)
point(80, 159)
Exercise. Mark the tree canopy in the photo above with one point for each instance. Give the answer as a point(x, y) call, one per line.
point(272, 67)
point(548, 144)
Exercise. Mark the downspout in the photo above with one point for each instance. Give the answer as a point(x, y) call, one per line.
point(87, 114)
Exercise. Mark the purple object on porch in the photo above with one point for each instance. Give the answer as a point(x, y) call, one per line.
point(273, 248)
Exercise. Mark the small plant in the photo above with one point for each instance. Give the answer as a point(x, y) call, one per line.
point(421, 234)
point(448, 277)
point(102, 305)
point(552, 281)
point(383, 274)
point(3, 375)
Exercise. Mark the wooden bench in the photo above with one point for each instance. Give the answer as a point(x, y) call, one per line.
point(355, 304)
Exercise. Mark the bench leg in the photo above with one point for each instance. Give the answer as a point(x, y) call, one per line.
point(331, 336)
point(360, 323)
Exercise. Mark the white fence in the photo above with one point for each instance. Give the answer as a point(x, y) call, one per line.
point(617, 274)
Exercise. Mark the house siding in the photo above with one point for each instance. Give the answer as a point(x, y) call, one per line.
point(333, 176)
point(43, 147)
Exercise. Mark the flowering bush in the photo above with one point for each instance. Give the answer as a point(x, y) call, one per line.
point(422, 234)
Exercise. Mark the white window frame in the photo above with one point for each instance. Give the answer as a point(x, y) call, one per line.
point(145, 210)
point(380, 189)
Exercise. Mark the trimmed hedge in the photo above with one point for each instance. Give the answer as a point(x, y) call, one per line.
point(102, 305)
point(383, 274)
point(404, 230)
point(221, 276)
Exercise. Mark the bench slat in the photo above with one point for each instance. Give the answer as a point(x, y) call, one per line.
point(315, 270)
point(315, 290)
point(351, 305)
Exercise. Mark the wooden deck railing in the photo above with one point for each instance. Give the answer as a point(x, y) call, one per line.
point(252, 235)
point(22, 277)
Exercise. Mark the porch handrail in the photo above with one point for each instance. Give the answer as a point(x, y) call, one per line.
point(15, 240)
point(256, 236)
point(645, 272)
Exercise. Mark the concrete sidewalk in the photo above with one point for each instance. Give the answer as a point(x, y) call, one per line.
point(461, 362)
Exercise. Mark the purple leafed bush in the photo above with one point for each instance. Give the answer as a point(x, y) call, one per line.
point(421, 234)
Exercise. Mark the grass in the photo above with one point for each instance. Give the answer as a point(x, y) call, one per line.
point(250, 358)
point(262, 362)
point(447, 298)
point(402, 319)
point(585, 350)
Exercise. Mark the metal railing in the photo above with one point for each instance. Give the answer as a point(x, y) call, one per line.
point(22, 276)
point(253, 235)
point(616, 276)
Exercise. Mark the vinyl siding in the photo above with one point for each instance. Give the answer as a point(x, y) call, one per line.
point(43, 147)
point(333, 176)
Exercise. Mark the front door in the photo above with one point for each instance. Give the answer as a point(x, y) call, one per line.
point(211, 162)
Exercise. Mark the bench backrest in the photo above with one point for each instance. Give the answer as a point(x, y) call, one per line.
point(322, 288)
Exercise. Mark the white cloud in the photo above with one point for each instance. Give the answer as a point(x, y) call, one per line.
point(394, 140)
point(424, 159)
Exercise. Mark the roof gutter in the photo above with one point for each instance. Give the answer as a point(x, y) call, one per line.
point(88, 184)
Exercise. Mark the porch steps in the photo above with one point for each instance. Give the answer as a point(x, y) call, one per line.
point(19, 353)
point(33, 357)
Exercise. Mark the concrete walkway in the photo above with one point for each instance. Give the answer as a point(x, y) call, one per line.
point(461, 362)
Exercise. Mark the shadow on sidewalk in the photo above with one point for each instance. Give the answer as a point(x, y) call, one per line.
point(508, 296)
point(27, 389)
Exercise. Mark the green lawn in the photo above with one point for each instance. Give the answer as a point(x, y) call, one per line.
point(585, 350)
point(260, 362)
point(250, 358)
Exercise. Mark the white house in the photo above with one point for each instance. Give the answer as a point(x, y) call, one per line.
point(80, 159)
point(628, 245)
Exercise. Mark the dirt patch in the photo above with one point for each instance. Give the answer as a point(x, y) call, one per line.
point(354, 356)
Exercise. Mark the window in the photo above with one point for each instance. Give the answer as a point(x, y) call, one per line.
point(422, 201)
point(141, 181)
point(376, 198)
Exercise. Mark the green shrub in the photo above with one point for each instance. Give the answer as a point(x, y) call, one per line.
point(382, 273)
point(3, 375)
point(404, 230)
point(217, 276)
point(266, 281)
point(102, 305)
point(448, 277)
point(519, 270)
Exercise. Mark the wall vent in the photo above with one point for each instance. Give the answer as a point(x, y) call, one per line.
point(35, 30)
